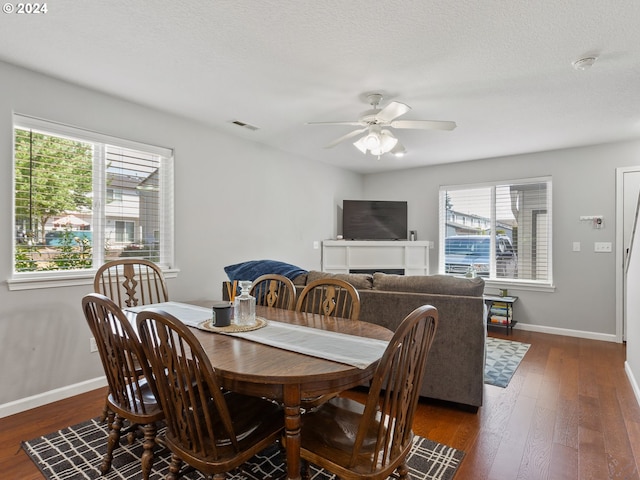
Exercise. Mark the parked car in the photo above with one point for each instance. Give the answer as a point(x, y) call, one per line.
point(465, 254)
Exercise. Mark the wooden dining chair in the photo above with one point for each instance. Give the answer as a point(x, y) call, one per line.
point(131, 395)
point(209, 429)
point(274, 290)
point(330, 297)
point(130, 282)
point(372, 441)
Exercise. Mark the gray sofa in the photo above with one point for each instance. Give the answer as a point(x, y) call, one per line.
point(455, 367)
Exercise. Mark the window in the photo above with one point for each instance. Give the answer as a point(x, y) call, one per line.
point(500, 231)
point(82, 198)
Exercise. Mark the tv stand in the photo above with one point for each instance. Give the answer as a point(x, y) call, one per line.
point(345, 256)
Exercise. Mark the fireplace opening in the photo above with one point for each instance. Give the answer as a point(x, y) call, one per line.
point(371, 271)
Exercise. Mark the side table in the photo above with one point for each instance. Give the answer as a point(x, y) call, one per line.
point(500, 311)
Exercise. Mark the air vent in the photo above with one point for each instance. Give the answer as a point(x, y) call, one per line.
point(245, 125)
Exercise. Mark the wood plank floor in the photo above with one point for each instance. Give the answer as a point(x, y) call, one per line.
point(568, 413)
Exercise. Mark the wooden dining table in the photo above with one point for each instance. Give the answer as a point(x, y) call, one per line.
point(288, 377)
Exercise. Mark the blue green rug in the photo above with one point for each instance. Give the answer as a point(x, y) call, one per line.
point(502, 359)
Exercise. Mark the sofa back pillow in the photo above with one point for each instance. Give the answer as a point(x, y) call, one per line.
point(359, 280)
point(434, 284)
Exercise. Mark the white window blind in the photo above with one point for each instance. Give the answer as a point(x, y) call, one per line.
point(497, 230)
point(82, 198)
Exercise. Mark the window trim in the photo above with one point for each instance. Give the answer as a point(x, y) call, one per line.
point(48, 279)
point(523, 284)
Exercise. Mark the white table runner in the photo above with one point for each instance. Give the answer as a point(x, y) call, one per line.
point(191, 315)
point(339, 347)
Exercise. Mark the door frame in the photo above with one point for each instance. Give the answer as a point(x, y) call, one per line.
point(620, 251)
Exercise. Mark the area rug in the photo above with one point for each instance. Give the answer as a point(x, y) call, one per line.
point(503, 358)
point(76, 452)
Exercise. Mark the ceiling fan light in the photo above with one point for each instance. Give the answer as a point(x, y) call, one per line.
point(360, 145)
point(387, 141)
point(373, 141)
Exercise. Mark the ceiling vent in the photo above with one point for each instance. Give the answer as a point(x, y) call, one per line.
point(245, 125)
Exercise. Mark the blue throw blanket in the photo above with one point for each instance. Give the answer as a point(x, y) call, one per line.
point(254, 268)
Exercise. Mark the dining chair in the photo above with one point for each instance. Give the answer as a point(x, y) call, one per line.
point(273, 290)
point(331, 297)
point(131, 395)
point(130, 282)
point(372, 441)
point(209, 429)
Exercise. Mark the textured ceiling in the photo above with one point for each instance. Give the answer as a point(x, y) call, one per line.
point(500, 69)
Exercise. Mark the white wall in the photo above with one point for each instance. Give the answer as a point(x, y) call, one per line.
point(235, 201)
point(583, 184)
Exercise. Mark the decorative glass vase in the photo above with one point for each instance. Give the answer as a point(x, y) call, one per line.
point(244, 306)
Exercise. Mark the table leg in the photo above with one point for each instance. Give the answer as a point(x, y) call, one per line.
point(292, 401)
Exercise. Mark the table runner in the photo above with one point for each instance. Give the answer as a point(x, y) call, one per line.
point(352, 350)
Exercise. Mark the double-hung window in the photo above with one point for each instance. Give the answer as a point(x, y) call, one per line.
point(500, 231)
point(83, 198)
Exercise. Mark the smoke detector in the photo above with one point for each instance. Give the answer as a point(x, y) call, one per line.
point(584, 63)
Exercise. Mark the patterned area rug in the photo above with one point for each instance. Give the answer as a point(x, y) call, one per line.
point(76, 453)
point(503, 358)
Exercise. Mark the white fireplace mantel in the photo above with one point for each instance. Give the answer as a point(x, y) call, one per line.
point(343, 256)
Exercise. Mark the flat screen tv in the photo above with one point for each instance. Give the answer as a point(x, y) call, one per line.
point(374, 220)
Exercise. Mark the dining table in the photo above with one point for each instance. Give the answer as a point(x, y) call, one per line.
point(253, 368)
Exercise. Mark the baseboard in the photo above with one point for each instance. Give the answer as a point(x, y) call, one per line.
point(605, 337)
point(632, 381)
point(44, 398)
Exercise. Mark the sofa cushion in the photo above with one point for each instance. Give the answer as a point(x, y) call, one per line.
point(361, 281)
point(435, 284)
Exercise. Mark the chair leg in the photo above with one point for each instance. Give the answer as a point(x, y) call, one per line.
point(305, 470)
point(174, 468)
point(105, 412)
point(148, 444)
point(403, 471)
point(112, 441)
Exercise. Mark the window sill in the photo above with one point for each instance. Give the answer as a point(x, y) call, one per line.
point(62, 279)
point(518, 285)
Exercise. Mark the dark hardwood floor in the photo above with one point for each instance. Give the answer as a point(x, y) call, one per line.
point(568, 413)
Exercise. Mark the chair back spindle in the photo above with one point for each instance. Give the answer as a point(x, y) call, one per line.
point(275, 291)
point(131, 282)
point(330, 297)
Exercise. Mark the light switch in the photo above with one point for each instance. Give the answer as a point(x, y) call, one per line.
point(576, 246)
point(602, 247)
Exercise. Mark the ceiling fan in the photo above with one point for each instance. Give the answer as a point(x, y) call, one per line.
point(378, 139)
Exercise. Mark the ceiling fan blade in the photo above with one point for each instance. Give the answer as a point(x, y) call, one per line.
point(391, 111)
point(353, 123)
point(346, 137)
point(424, 124)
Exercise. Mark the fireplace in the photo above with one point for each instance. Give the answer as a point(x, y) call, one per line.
point(369, 256)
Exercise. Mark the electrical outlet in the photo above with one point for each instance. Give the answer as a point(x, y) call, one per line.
point(93, 346)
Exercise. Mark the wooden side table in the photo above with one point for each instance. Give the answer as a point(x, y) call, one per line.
point(500, 311)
